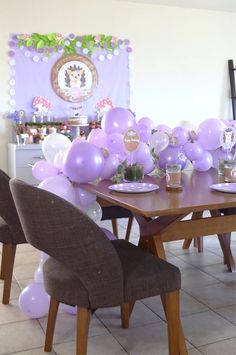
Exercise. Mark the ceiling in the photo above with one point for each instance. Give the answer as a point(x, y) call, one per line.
point(216, 5)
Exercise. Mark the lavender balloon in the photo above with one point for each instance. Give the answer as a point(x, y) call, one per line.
point(59, 185)
point(109, 234)
point(172, 155)
point(209, 132)
point(43, 257)
point(70, 309)
point(110, 166)
point(43, 169)
point(82, 197)
point(34, 301)
point(97, 137)
point(142, 153)
point(38, 274)
point(148, 166)
point(146, 121)
point(117, 120)
point(204, 163)
point(193, 150)
point(84, 162)
point(115, 143)
point(144, 132)
point(181, 134)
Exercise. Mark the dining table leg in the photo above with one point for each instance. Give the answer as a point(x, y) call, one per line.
point(198, 241)
point(224, 240)
point(226, 250)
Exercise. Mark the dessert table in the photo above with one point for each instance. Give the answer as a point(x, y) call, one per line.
point(162, 215)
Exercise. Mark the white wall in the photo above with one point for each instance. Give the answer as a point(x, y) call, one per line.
point(180, 55)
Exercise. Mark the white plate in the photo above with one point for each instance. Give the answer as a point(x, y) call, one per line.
point(225, 187)
point(134, 187)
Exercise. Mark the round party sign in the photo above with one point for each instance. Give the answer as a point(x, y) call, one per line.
point(228, 138)
point(131, 140)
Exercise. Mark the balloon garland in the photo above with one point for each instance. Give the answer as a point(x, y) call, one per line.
point(67, 164)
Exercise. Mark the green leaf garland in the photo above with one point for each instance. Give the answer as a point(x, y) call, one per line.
point(69, 44)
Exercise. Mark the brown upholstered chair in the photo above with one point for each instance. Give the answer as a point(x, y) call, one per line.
point(87, 270)
point(11, 234)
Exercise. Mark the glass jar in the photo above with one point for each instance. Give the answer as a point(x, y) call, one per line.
point(133, 173)
point(230, 171)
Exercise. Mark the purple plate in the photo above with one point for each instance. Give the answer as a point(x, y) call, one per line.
point(134, 187)
point(229, 187)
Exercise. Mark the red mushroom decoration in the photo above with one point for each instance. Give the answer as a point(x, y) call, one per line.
point(41, 104)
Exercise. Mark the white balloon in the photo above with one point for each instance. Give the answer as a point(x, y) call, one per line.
point(53, 144)
point(187, 125)
point(159, 141)
point(58, 160)
point(94, 212)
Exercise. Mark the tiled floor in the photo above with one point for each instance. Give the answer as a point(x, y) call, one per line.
point(208, 310)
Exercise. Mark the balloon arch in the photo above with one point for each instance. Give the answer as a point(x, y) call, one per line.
point(67, 164)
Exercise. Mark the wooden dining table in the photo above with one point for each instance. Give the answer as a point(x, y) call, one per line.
point(165, 216)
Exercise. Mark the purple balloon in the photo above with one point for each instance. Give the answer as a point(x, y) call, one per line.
point(60, 186)
point(181, 134)
point(144, 132)
point(148, 166)
point(109, 234)
point(193, 150)
point(204, 163)
point(38, 274)
point(43, 169)
point(70, 309)
point(82, 197)
point(209, 132)
point(43, 257)
point(84, 162)
point(172, 155)
point(34, 301)
point(110, 166)
point(142, 153)
point(115, 143)
point(97, 137)
point(146, 121)
point(117, 120)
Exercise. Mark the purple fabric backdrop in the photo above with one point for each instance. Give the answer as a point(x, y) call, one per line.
point(30, 78)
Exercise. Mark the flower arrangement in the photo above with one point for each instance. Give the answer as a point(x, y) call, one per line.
point(56, 42)
point(128, 172)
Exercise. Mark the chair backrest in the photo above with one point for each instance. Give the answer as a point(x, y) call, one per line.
point(8, 210)
point(60, 229)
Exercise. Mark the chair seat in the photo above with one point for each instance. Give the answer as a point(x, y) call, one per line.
point(145, 275)
point(63, 284)
point(5, 233)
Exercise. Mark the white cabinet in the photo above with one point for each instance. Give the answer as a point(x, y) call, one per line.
point(20, 159)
